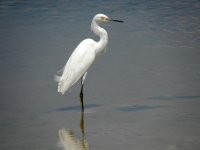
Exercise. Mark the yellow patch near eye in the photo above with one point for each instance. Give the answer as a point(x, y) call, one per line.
point(103, 18)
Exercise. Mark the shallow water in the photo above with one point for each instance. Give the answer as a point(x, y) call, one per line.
point(143, 93)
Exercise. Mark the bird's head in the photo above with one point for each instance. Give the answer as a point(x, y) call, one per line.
point(103, 18)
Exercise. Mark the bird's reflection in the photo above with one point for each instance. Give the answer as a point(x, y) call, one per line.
point(69, 141)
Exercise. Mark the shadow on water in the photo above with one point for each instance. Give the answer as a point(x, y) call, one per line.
point(173, 97)
point(69, 142)
point(138, 107)
point(82, 106)
point(76, 107)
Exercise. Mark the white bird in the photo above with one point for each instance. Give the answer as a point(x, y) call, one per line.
point(83, 57)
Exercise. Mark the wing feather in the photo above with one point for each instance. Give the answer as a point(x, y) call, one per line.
point(78, 63)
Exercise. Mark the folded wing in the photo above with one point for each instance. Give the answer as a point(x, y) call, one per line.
point(78, 63)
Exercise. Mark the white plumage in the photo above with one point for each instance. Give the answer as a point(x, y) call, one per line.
point(78, 63)
point(83, 56)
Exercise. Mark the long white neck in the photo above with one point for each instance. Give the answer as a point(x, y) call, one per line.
point(102, 44)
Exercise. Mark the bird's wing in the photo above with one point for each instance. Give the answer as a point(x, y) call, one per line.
point(78, 63)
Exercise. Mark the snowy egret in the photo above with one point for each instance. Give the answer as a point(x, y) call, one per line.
point(83, 56)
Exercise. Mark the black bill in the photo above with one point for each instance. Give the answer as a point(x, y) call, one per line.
point(109, 19)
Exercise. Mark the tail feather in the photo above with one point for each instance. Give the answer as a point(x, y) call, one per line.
point(63, 86)
point(58, 79)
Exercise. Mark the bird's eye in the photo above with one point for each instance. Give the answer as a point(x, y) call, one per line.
point(103, 18)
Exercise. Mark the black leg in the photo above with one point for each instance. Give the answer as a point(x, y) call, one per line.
point(81, 96)
point(81, 99)
point(81, 92)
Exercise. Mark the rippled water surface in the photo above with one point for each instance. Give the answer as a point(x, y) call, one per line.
point(142, 94)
